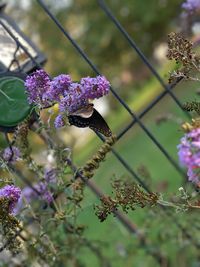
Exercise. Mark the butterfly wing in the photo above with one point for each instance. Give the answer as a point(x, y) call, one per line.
point(84, 112)
point(95, 122)
point(78, 121)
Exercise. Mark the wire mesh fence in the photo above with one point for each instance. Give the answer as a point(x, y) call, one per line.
point(24, 60)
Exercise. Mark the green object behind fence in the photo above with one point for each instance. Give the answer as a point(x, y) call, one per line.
point(14, 106)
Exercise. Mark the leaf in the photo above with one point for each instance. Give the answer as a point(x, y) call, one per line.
point(14, 106)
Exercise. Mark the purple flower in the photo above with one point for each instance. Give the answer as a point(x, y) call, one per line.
point(37, 85)
point(28, 193)
point(191, 5)
point(42, 188)
point(11, 154)
point(12, 193)
point(79, 94)
point(58, 87)
point(189, 154)
point(74, 99)
point(59, 121)
point(95, 87)
point(71, 96)
point(50, 176)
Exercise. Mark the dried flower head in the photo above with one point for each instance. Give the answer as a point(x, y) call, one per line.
point(98, 157)
point(194, 124)
point(9, 227)
point(192, 106)
point(127, 195)
point(180, 50)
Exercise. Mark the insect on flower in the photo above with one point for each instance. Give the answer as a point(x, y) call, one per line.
point(74, 99)
point(88, 116)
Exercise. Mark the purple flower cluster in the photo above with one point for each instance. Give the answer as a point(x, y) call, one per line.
point(11, 154)
point(191, 5)
point(40, 189)
point(50, 176)
point(95, 87)
point(79, 94)
point(12, 193)
point(58, 87)
point(37, 84)
point(69, 95)
point(59, 121)
point(74, 99)
point(189, 154)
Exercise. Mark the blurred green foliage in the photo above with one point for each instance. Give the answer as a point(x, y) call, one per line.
point(147, 22)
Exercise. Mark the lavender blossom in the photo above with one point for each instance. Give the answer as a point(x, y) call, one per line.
point(78, 95)
point(95, 87)
point(58, 87)
point(30, 194)
point(11, 154)
point(71, 96)
point(42, 188)
point(37, 85)
point(50, 176)
point(59, 121)
point(74, 100)
point(191, 5)
point(189, 154)
point(12, 193)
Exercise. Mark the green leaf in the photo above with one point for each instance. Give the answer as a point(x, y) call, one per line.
point(14, 106)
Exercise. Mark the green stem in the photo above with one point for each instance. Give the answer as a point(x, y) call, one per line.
point(166, 203)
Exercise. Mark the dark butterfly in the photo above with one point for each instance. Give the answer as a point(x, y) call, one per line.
point(89, 117)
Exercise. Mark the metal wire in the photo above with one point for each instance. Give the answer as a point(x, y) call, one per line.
point(81, 52)
point(139, 52)
point(136, 118)
point(121, 101)
point(148, 108)
point(123, 162)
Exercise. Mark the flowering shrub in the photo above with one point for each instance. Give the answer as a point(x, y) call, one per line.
point(71, 96)
point(41, 220)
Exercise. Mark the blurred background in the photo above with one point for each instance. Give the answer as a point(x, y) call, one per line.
point(148, 23)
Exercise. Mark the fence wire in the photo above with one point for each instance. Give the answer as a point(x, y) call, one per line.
point(135, 120)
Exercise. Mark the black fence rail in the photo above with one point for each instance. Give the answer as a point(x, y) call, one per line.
point(136, 119)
